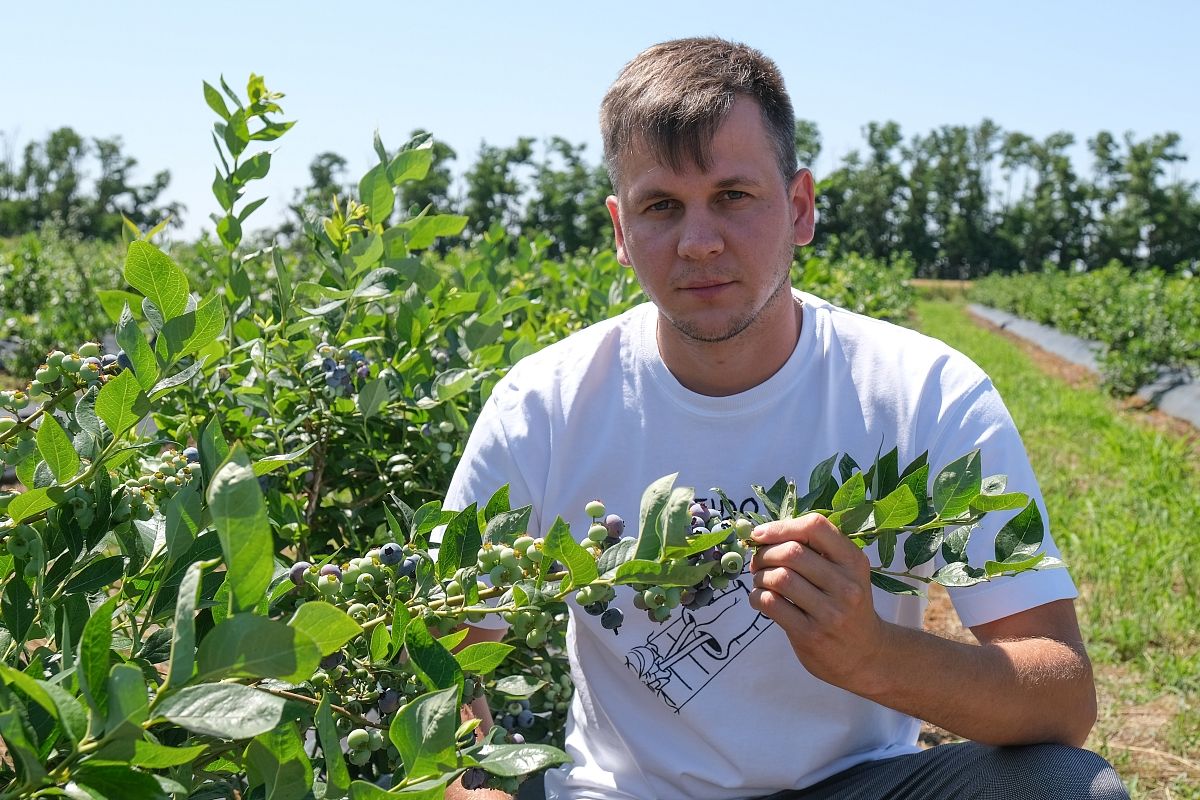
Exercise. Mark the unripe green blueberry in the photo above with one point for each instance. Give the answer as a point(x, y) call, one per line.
point(660, 614)
point(743, 527)
point(89, 349)
point(732, 562)
point(639, 601)
point(357, 610)
point(71, 363)
point(498, 575)
point(445, 426)
point(454, 589)
point(55, 357)
point(536, 637)
point(535, 554)
point(377, 741)
point(594, 509)
point(364, 582)
point(672, 596)
point(46, 374)
point(523, 543)
point(654, 597)
point(35, 388)
point(597, 533)
point(359, 757)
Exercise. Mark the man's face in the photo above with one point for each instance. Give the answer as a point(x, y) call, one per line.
point(713, 249)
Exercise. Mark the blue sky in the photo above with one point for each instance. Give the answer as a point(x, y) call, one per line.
point(472, 72)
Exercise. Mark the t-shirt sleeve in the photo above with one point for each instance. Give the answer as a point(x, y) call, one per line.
point(980, 420)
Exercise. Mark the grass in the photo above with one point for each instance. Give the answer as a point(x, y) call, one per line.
point(1124, 504)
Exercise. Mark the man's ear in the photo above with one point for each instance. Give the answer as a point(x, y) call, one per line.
point(614, 211)
point(802, 194)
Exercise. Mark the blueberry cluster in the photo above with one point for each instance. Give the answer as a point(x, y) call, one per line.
point(172, 470)
point(18, 446)
point(69, 371)
point(444, 435)
point(24, 543)
point(342, 368)
point(362, 743)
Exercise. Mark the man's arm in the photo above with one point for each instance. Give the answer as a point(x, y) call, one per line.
point(477, 709)
point(1028, 680)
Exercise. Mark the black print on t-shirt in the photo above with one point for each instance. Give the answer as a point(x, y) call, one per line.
point(680, 658)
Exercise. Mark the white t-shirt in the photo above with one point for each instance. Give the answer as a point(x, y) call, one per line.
point(713, 704)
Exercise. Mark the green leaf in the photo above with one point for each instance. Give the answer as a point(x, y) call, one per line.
point(213, 447)
point(679, 573)
point(515, 760)
point(250, 646)
point(424, 231)
point(326, 624)
point(559, 546)
point(884, 474)
point(113, 300)
point(152, 755)
point(337, 777)
point(1000, 502)
point(460, 542)
point(957, 485)
point(56, 448)
point(483, 657)
point(213, 98)
point(116, 780)
point(434, 664)
point(958, 574)
point(182, 512)
point(886, 546)
point(375, 191)
point(651, 538)
point(851, 493)
point(410, 165)
point(276, 759)
point(918, 482)
point(373, 397)
point(20, 749)
point(225, 192)
point(240, 516)
point(224, 710)
point(897, 509)
point(452, 383)
point(95, 659)
point(891, 585)
point(29, 504)
point(121, 403)
point(615, 556)
point(423, 732)
point(17, 607)
point(855, 518)
point(518, 686)
point(1015, 565)
point(822, 473)
point(131, 340)
point(272, 463)
point(506, 526)
point(209, 322)
point(154, 274)
point(920, 548)
point(253, 168)
point(85, 413)
point(55, 700)
point(96, 575)
point(1022, 535)
point(179, 378)
point(183, 645)
point(128, 706)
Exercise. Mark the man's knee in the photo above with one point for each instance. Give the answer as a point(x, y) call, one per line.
point(1059, 771)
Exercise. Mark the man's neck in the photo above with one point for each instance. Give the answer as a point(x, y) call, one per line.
point(721, 369)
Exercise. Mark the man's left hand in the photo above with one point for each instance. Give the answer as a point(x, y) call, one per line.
point(816, 584)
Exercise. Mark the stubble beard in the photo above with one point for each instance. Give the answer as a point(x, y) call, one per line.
point(739, 325)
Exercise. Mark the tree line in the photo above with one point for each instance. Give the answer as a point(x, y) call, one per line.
point(963, 201)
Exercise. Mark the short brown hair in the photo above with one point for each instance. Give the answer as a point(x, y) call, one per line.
point(673, 97)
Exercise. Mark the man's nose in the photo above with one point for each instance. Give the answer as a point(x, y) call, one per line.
point(700, 237)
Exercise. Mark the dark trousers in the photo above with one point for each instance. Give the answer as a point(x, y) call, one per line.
point(965, 771)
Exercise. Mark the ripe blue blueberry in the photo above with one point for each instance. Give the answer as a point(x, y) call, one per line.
point(390, 553)
point(332, 569)
point(525, 719)
point(408, 567)
point(612, 618)
point(191, 454)
point(596, 609)
point(299, 570)
point(389, 701)
point(474, 778)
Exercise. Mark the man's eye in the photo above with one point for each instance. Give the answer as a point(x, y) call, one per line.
point(734, 194)
point(661, 205)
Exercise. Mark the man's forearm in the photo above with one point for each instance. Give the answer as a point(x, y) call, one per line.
point(1004, 693)
point(476, 709)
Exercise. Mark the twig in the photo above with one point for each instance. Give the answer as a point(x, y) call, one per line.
point(1160, 753)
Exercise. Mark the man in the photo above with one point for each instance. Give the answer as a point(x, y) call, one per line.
point(798, 676)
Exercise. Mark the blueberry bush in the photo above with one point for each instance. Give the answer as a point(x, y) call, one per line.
point(1146, 321)
point(219, 569)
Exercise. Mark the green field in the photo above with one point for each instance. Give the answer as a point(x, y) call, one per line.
point(1124, 507)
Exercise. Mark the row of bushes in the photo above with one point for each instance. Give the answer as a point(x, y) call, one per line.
point(1147, 322)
